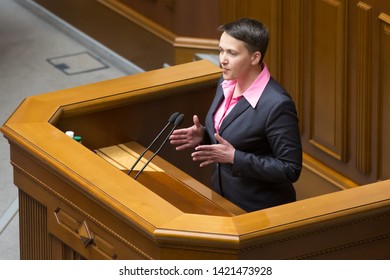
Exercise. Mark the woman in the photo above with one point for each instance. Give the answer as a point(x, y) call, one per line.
point(251, 133)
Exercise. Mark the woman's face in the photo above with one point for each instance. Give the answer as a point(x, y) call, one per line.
point(235, 59)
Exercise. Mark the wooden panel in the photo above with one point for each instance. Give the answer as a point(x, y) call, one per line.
point(292, 54)
point(384, 95)
point(328, 105)
point(231, 10)
point(32, 229)
point(268, 12)
point(361, 111)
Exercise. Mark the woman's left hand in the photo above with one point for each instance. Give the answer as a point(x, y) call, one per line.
point(216, 153)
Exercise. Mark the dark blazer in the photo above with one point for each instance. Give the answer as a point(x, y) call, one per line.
point(268, 157)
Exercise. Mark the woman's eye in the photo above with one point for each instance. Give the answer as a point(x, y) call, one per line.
point(228, 52)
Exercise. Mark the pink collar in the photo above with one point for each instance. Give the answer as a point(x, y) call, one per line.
point(256, 89)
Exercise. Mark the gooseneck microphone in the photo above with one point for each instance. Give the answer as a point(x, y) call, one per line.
point(171, 120)
point(177, 123)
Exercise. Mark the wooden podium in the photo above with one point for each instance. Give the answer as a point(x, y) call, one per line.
point(77, 202)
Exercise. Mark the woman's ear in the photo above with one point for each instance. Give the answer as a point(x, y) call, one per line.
point(256, 58)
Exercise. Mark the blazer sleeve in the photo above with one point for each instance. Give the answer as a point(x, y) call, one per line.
point(284, 162)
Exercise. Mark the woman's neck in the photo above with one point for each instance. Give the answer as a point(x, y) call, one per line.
point(243, 84)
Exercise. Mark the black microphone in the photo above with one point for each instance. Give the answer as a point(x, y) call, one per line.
point(178, 122)
point(171, 120)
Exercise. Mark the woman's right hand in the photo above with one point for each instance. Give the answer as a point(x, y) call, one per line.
point(189, 137)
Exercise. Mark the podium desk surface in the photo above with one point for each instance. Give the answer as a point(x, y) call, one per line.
point(168, 181)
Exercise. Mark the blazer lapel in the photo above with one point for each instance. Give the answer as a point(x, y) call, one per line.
point(238, 109)
point(213, 108)
point(217, 100)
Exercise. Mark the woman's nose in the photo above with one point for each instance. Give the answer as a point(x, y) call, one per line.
point(222, 59)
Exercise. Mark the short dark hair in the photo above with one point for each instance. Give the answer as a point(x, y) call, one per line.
point(252, 32)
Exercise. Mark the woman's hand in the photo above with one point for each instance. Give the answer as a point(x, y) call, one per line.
point(216, 153)
point(188, 137)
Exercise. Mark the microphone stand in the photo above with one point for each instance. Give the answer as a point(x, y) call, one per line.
point(171, 120)
point(178, 122)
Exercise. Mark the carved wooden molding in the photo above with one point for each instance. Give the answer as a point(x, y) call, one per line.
point(364, 93)
point(34, 236)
